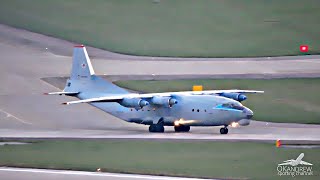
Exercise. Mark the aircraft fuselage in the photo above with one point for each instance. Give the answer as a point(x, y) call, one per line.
point(195, 110)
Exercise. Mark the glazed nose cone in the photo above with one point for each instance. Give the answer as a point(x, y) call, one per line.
point(249, 113)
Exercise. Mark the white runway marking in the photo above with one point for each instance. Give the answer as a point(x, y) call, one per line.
point(8, 115)
point(83, 173)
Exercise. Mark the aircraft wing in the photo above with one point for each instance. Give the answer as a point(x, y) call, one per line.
point(165, 94)
point(62, 93)
point(99, 99)
point(209, 92)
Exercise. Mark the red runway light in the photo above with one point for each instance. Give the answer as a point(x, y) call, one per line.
point(304, 48)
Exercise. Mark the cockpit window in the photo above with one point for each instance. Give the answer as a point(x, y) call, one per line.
point(232, 106)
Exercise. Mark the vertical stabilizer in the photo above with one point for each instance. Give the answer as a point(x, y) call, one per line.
point(81, 64)
point(83, 82)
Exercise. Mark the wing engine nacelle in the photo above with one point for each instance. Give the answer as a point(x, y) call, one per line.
point(134, 102)
point(164, 101)
point(236, 96)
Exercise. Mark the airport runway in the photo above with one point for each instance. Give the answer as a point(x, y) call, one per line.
point(257, 131)
point(61, 47)
point(24, 111)
point(40, 174)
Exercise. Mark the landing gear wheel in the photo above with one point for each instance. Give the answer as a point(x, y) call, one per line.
point(224, 130)
point(186, 128)
point(160, 128)
point(156, 128)
point(177, 128)
point(182, 128)
point(151, 128)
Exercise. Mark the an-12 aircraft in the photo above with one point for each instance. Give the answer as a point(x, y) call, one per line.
point(178, 109)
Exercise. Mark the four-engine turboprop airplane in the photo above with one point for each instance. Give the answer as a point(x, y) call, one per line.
point(178, 109)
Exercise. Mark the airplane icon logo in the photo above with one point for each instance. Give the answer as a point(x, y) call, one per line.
point(295, 162)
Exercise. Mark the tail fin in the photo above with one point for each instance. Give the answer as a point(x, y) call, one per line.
point(83, 82)
point(81, 64)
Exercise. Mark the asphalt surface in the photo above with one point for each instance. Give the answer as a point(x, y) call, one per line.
point(61, 47)
point(27, 58)
point(257, 131)
point(40, 174)
point(24, 111)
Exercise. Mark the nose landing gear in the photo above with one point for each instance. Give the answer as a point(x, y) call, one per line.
point(224, 130)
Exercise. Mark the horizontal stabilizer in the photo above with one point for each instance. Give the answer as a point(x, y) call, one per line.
point(62, 93)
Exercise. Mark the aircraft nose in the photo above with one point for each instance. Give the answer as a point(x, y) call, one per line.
point(248, 113)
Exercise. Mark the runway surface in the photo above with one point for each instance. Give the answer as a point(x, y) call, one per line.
point(40, 174)
point(25, 112)
point(61, 47)
point(28, 57)
point(257, 131)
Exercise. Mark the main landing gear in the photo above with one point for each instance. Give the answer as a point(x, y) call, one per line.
point(156, 128)
point(224, 130)
point(182, 128)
